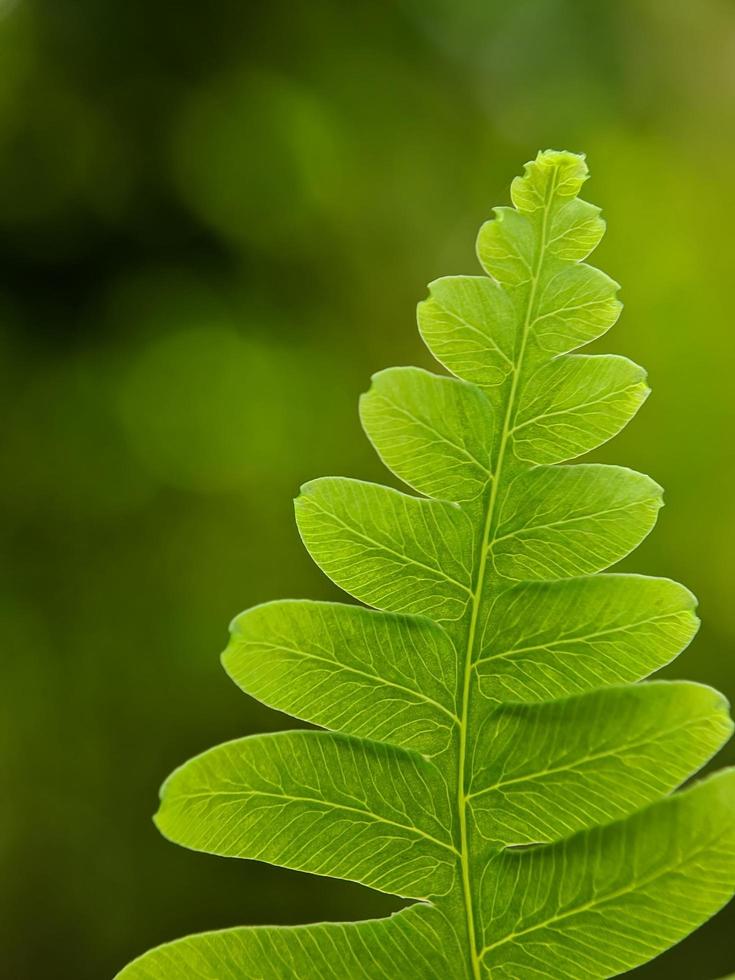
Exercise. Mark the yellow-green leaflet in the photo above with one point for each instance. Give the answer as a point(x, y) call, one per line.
point(489, 749)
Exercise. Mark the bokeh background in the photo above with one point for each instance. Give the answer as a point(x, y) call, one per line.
point(215, 222)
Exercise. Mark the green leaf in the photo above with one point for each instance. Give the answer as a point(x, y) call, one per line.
point(585, 633)
point(317, 802)
point(575, 404)
point(390, 550)
point(555, 522)
point(434, 433)
point(469, 323)
point(379, 676)
point(541, 772)
point(493, 755)
point(615, 896)
point(416, 942)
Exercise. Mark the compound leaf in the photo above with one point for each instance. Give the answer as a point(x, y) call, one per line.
point(492, 754)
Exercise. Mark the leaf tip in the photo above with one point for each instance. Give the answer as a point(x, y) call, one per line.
point(559, 173)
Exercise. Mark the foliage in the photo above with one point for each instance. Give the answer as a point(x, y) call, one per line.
point(490, 754)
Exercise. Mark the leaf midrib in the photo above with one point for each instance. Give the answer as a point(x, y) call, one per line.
point(462, 796)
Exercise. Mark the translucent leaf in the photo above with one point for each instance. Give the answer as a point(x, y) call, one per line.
point(584, 633)
point(574, 305)
point(493, 756)
point(376, 675)
point(575, 404)
point(575, 230)
point(541, 772)
point(468, 324)
point(615, 896)
point(317, 802)
point(506, 247)
point(571, 520)
point(434, 433)
point(390, 550)
point(412, 943)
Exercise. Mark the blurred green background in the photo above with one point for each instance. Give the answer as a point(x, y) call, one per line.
point(215, 222)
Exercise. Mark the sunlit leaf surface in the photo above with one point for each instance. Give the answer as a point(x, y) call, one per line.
point(492, 754)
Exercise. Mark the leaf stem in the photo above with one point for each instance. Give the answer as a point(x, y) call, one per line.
point(462, 790)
